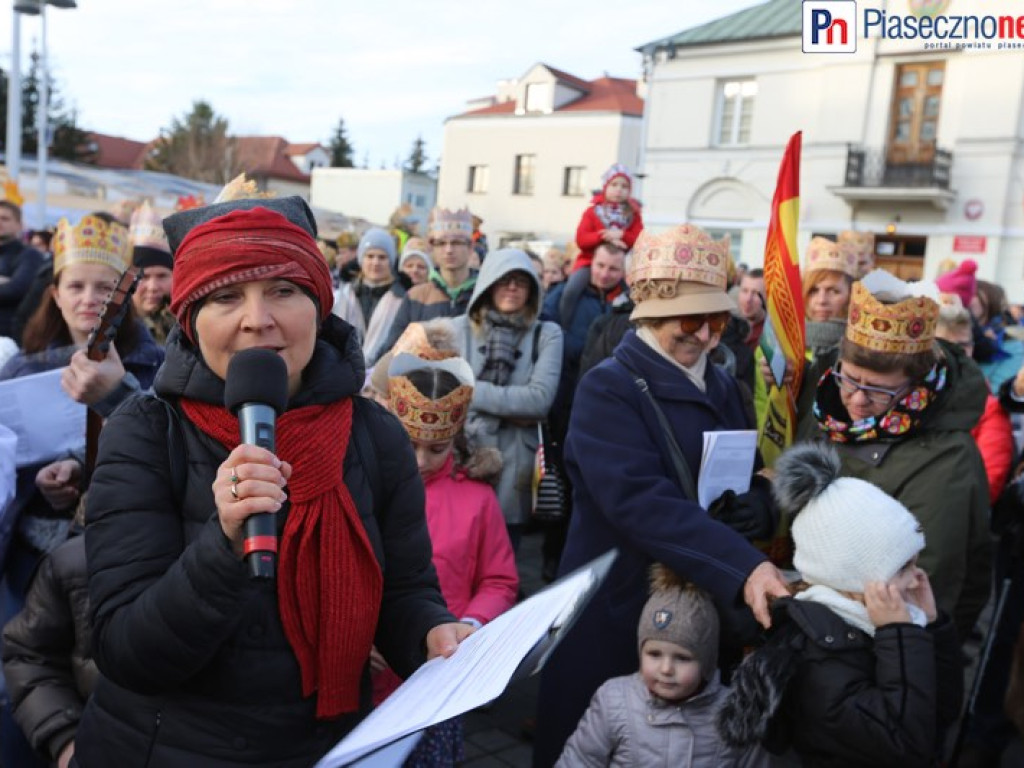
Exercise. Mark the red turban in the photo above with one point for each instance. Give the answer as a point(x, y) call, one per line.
point(243, 246)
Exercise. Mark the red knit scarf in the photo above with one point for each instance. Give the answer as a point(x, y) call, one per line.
point(329, 583)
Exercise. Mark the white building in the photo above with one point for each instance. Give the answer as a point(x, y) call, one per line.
point(308, 156)
point(373, 195)
point(923, 146)
point(527, 159)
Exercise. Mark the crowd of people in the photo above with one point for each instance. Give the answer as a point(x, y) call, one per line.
point(424, 373)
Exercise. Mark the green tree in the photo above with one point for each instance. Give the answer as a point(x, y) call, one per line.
point(417, 161)
point(341, 148)
point(197, 146)
point(67, 140)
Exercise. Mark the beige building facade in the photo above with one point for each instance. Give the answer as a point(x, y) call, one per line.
point(528, 159)
point(921, 145)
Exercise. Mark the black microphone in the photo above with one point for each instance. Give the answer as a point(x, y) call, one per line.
point(256, 391)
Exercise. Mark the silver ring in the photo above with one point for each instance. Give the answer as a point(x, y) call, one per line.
point(234, 491)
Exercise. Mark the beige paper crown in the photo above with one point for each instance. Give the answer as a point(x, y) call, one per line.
point(683, 254)
point(240, 188)
point(856, 243)
point(906, 327)
point(93, 241)
point(824, 254)
point(424, 418)
point(147, 229)
point(445, 222)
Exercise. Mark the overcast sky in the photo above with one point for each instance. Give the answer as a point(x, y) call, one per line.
point(292, 68)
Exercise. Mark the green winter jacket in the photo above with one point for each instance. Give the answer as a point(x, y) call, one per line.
point(938, 474)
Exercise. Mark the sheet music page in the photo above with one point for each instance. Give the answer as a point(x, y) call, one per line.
point(726, 464)
point(477, 673)
point(47, 422)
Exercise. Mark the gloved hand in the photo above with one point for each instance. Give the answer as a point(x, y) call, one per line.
point(752, 514)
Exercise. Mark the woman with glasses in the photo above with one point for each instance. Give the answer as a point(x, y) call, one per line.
point(517, 360)
point(656, 392)
point(900, 406)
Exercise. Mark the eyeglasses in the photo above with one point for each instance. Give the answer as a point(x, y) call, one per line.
point(446, 243)
point(692, 323)
point(513, 281)
point(875, 395)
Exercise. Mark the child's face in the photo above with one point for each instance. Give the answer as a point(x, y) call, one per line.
point(431, 456)
point(617, 190)
point(906, 580)
point(668, 670)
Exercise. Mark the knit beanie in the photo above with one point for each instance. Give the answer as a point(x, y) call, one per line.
point(618, 170)
point(409, 253)
point(680, 613)
point(846, 532)
point(960, 281)
point(379, 239)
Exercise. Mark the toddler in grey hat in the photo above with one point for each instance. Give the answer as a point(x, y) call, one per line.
point(664, 714)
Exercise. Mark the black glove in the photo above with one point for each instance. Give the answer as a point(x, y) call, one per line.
point(751, 514)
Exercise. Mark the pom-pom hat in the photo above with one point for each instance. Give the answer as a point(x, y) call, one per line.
point(681, 271)
point(847, 532)
point(961, 281)
point(680, 613)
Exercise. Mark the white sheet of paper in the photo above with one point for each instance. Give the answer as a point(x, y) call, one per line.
point(477, 673)
point(47, 422)
point(726, 464)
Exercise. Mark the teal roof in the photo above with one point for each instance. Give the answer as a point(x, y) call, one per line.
point(775, 18)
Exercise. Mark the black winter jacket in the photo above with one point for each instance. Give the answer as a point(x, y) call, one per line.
point(47, 661)
point(196, 668)
point(852, 700)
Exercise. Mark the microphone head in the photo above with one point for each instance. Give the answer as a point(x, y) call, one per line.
point(256, 376)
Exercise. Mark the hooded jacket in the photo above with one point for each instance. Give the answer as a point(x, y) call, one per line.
point(507, 417)
point(195, 666)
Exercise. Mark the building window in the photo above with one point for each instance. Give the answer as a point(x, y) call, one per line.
point(735, 241)
point(479, 178)
point(735, 111)
point(538, 97)
point(421, 200)
point(572, 181)
point(523, 184)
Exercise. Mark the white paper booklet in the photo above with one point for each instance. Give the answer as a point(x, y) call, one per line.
point(726, 463)
point(477, 673)
point(47, 422)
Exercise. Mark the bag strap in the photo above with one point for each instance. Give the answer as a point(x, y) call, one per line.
point(177, 446)
point(535, 352)
point(674, 451)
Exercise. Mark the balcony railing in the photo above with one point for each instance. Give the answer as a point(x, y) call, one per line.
point(871, 168)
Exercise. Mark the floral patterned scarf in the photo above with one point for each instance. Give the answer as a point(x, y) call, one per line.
point(902, 419)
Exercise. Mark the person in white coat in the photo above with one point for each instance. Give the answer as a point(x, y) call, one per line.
point(517, 360)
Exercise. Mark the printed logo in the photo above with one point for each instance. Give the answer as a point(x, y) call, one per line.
point(829, 26)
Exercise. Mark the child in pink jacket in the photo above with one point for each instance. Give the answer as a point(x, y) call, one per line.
point(472, 553)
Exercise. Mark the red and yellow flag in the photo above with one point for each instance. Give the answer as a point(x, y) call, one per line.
point(785, 302)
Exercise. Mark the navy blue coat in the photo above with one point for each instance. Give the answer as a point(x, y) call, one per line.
point(626, 495)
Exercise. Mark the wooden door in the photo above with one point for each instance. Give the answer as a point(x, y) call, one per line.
point(914, 121)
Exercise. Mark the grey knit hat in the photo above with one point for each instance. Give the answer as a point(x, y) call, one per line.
point(682, 614)
point(379, 239)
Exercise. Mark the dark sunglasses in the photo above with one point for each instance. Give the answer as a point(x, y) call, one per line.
point(692, 323)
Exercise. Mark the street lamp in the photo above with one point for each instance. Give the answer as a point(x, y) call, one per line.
point(31, 8)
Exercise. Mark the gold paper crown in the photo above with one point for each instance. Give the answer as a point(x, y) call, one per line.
point(147, 229)
point(424, 418)
point(11, 192)
point(856, 243)
point(683, 254)
point(240, 188)
point(444, 222)
point(906, 327)
point(823, 254)
point(92, 241)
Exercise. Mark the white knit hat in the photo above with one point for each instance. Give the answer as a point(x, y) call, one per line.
point(847, 532)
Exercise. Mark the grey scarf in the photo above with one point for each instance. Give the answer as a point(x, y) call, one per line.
point(504, 332)
point(824, 336)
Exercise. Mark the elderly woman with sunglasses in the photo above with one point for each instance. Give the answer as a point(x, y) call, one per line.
point(658, 392)
point(900, 405)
